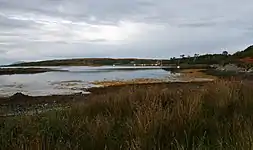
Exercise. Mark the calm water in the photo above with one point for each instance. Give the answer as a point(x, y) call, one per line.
point(73, 81)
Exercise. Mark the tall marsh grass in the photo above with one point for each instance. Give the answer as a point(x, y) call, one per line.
point(216, 116)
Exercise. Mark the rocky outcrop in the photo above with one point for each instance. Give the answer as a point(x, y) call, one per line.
point(230, 67)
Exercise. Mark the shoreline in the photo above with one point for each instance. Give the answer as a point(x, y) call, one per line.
point(19, 97)
point(24, 104)
point(185, 77)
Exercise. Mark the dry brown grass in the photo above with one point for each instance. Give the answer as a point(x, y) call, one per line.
point(216, 116)
point(127, 82)
point(195, 73)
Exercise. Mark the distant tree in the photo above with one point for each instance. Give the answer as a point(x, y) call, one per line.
point(173, 58)
point(195, 57)
point(225, 53)
point(182, 56)
point(179, 60)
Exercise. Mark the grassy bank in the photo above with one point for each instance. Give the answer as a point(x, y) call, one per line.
point(215, 116)
point(128, 82)
point(196, 73)
point(228, 74)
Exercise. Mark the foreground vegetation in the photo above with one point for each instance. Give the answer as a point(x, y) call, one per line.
point(218, 115)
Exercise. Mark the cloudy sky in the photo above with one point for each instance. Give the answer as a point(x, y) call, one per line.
point(48, 29)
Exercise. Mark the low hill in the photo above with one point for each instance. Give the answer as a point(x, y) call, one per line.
point(248, 52)
point(245, 56)
point(209, 59)
point(92, 62)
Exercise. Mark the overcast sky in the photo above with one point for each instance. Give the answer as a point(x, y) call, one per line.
point(49, 29)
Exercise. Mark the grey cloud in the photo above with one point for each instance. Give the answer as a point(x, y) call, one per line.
point(7, 23)
point(112, 10)
point(198, 25)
